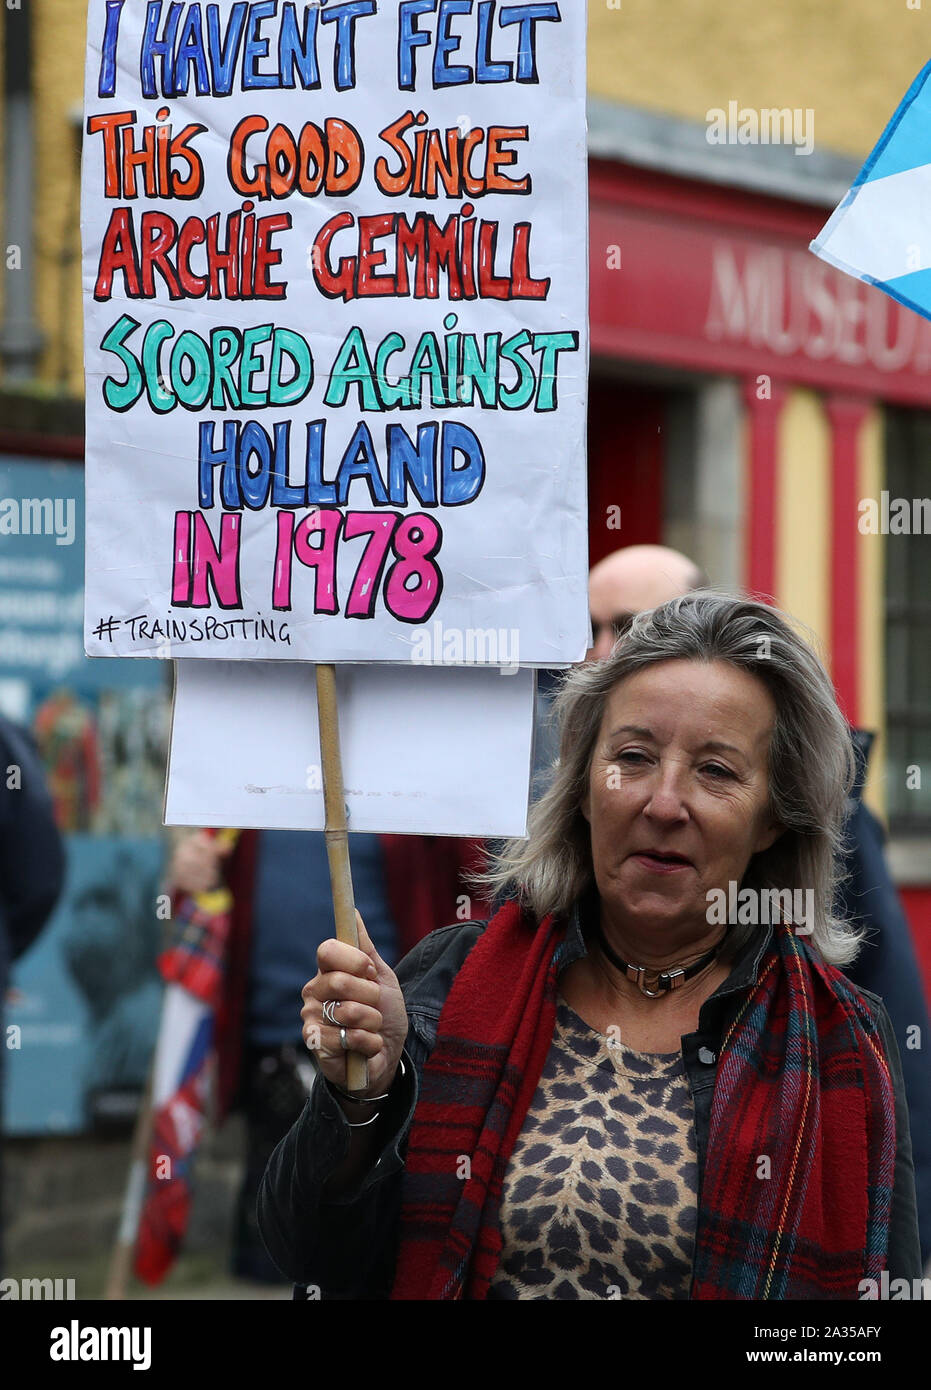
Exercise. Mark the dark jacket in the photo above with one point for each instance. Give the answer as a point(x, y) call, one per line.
point(422, 875)
point(888, 966)
point(346, 1248)
point(32, 857)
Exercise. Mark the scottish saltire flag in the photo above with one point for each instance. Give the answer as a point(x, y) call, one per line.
point(881, 231)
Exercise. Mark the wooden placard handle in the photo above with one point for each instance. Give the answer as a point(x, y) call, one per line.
point(336, 834)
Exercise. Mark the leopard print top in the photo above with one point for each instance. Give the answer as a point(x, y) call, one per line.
point(600, 1193)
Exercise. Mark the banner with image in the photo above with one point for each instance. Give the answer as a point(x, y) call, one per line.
point(81, 1010)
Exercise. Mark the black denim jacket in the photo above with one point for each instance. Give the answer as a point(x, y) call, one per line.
point(346, 1247)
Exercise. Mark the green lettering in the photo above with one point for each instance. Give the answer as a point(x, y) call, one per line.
point(551, 345)
point(120, 395)
point(225, 345)
point(520, 395)
point(391, 395)
point(287, 392)
point(353, 365)
point(157, 333)
point(252, 364)
point(191, 393)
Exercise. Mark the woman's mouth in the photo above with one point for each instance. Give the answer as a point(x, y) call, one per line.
point(659, 862)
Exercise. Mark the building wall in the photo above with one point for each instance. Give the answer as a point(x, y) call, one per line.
point(803, 521)
point(870, 615)
point(58, 58)
point(57, 36)
point(848, 62)
point(804, 536)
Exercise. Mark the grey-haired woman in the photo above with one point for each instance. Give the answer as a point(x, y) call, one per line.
point(613, 1089)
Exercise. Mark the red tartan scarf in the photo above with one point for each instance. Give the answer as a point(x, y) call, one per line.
point(802, 1081)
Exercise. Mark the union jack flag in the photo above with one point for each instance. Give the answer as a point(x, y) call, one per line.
point(193, 968)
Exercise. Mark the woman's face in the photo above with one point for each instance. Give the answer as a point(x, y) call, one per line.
point(681, 769)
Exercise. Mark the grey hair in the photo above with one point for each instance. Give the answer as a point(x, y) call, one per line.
point(811, 762)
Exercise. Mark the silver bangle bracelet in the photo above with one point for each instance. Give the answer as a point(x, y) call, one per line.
point(358, 1100)
point(364, 1100)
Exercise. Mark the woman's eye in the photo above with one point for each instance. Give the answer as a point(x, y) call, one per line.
point(718, 770)
point(631, 753)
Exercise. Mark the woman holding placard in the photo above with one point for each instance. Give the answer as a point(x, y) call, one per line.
point(646, 1077)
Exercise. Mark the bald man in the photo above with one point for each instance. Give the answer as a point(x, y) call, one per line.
point(631, 580)
point(620, 585)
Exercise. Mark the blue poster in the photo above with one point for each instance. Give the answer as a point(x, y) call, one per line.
point(82, 1009)
point(86, 997)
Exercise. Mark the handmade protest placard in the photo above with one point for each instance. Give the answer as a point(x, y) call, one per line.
point(335, 274)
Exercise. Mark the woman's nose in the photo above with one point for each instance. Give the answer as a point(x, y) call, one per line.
point(667, 794)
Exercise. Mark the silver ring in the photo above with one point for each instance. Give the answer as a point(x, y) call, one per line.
point(343, 1040)
point(328, 1011)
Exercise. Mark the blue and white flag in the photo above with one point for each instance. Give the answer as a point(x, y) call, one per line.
point(881, 231)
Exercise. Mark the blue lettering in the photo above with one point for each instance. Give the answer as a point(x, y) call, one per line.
point(409, 38)
point(209, 458)
point(223, 56)
point(485, 69)
point(443, 74)
point(319, 493)
point(296, 49)
point(404, 458)
point(163, 48)
point(527, 17)
point(255, 486)
point(462, 484)
point(344, 59)
point(106, 83)
point(256, 48)
point(191, 53)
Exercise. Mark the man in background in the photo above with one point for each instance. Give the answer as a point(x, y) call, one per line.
point(631, 580)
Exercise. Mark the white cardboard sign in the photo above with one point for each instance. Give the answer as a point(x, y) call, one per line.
point(335, 278)
point(435, 752)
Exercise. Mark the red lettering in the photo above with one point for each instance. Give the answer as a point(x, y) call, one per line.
point(159, 234)
point(192, 234)
point(118, 253)
point(266, 255)
point(370, 228)
point(340, 285)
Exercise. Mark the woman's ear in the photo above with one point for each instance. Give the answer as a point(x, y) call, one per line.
point(768, 836)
